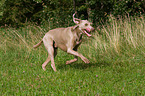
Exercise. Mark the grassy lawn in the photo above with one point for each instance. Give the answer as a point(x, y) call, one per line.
point(116, 52)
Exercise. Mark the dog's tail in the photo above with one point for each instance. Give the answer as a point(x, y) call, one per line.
point(37, 45)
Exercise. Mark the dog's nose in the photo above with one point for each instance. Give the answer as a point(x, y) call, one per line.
point(93, 29)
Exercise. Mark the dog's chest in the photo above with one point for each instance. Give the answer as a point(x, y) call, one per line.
point(78, 39)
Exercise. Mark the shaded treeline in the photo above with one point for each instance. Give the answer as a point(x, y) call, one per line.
point(59, 12)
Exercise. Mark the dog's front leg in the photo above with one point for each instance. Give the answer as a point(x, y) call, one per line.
point(71, 61)
point(75, 57)
point(70, 51)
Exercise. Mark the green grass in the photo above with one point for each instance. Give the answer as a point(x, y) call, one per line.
point(116, 52)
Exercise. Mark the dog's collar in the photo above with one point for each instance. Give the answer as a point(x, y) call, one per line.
point(76, 26)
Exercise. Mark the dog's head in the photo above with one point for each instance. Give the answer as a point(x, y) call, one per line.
point(84, 25)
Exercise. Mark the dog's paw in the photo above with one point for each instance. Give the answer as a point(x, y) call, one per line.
point(67, 62)
point(86, 60)
point(43, 68)
point(53, 67)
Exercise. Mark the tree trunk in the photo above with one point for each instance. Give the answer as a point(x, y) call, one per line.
point(74, 4)
point(88, 9)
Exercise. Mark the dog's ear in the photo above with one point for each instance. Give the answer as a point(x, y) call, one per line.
point(76, 20)
point(73, 28)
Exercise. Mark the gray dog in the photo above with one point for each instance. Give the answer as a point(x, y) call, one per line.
point(68, 39)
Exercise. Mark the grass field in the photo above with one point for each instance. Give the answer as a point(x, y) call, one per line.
point(117, 68)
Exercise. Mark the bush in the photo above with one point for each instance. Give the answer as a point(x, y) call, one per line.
point(59, 13)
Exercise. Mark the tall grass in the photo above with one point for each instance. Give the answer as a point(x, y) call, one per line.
point(20, 39)
point(123, 33)
point(116, 52)
point(120, 37)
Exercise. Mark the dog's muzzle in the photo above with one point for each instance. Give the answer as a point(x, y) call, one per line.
point(87, 31)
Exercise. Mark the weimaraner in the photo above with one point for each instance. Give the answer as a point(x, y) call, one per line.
point(68, 39)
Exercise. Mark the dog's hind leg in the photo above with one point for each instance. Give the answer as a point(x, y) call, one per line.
point(48, 59)
point(45, 63)
point(49, 45)
point(51, 53)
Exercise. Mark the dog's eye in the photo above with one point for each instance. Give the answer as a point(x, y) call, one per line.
point(86, 24)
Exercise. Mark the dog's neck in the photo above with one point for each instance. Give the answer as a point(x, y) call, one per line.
point(77, 29)
point(79, 34)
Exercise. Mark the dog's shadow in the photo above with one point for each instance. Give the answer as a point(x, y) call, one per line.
point(83, 65)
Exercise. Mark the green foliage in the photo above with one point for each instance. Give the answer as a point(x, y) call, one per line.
point(18, 12)
point(1, 8)
point(38, 1)
point(58, 13)
point(100, 10)
point(131, 7)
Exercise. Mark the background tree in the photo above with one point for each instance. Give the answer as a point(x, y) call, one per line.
point(58, 13)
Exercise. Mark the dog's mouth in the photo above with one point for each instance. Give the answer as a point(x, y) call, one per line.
point(87, 31)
